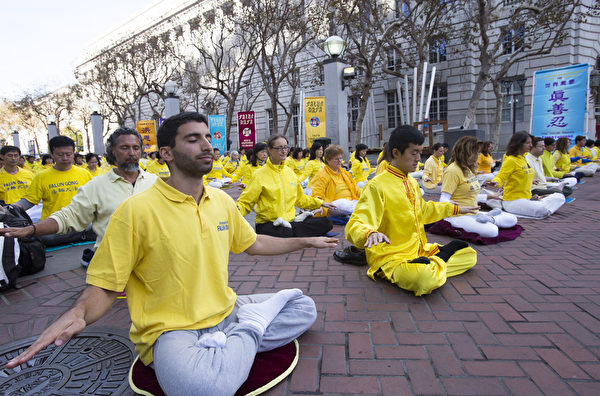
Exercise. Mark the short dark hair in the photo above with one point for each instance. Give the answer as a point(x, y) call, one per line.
point(436, 146)
point(589, 142)
point(167, 132)
point(549, 141)
point(403, 136)
point(515, 143)
point(45, 157)
point(295, 152)
point(78, 155)
point(89, 156)
point(579, 138)
point(60, 141)
point(114, 138)
point(535, 140)
point(9, 149)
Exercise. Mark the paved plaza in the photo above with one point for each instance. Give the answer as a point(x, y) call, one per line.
point(525, 320)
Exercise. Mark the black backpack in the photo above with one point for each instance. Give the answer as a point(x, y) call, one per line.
point(31, 254)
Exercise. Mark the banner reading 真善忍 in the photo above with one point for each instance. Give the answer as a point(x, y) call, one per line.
point(559, 102)
point(314, 118)
point(246, 129)
point(216, 126)
point(147, 129)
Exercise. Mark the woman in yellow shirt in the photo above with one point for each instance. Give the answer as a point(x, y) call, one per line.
point(274, 192)
point(460, 185)
point(46, 162)
point(485, 162)
point(334, 184)
point(91, 161)
point(315, 162)
point(517, 178)
point(361, 169)
point(233, 165)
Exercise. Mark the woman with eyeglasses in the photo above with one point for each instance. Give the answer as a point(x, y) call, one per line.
point(274, 191)
point(334, 184)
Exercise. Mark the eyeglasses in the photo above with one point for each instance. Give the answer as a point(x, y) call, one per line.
point(282, 148)
point(338, 159)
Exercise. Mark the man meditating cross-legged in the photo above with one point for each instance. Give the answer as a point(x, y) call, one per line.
point(389, 221)
point(169, 246)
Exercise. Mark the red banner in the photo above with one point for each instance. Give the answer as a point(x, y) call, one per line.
point(246, 129)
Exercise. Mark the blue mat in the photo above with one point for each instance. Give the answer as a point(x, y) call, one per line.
point(569, 200)
point(68, 245)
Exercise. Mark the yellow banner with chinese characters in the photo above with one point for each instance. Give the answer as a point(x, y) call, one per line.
point(314, 118)
point(148, 131)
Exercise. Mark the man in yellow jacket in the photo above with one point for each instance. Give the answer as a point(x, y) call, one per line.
point(389, 222)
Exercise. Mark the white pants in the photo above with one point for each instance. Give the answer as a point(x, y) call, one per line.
point(361, 184)
point(539, 209)
point(588, 169)
point(569, 181)
point(483, 177)
point(343, 207)
point(486, 230)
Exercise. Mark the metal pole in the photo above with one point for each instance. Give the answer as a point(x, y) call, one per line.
point(96, 121)
point(171, 106)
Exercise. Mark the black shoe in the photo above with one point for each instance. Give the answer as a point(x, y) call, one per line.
point(351, 255)
point(86, 257)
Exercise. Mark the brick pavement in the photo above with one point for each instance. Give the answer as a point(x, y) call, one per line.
point(525, 320)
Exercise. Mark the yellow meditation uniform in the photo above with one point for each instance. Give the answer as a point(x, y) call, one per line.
point(329, 186)
point(562, 161)
point(517, 178)
point(296, 165)
point(311, 168)
point(275, 190)
point(55, 188)
point(33, 168)
point(246, 173)
point(588, 153)
point(381, 167)
point(462, 189)
point(433, 171)
point(218, 171)
point(360, 170)
point(549, 167)
point(13, 187)
point(485, 163)
point(576, 151)
point(159, 170)
point(391, 203)
point(175, 279)
point(232, 166)
point(443, 160)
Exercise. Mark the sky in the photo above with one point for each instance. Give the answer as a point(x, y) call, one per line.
point(40, 40)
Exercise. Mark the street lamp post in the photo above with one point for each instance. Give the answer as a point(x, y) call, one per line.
point(336, 99)
point(97, 127)
point(15, 136)
point(171, 100)
point(508, 85)
point(52, 130)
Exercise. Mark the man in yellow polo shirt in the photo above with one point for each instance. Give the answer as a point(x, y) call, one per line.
point(389, 221)
point(13, 180)
point(56, 186)
point(169, 246)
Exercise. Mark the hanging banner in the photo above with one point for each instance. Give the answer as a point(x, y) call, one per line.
point(147, 129)
point(216, 126)
point(246, 129)
point(314, 118)
point(559, 102)
point(31, 147)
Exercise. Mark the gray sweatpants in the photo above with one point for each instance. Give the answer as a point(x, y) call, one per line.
point(183, 368)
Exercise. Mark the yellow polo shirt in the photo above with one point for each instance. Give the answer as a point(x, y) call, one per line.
point(56, 188)
point(13, 187)
point(159, 170)
point(463, 189)
point(517, 177)
point(433, 170)
point(171, 255)
point(485, 163)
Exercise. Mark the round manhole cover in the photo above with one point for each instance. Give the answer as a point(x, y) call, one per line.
point(93, 363)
